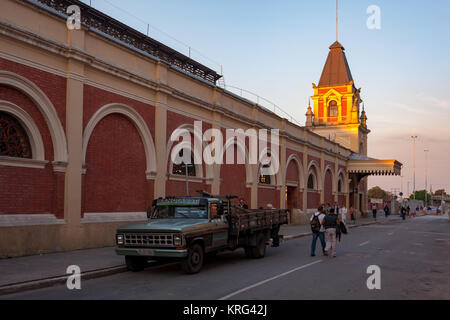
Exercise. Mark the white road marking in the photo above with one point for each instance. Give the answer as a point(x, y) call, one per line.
point(390, 233)
point(267, 280)
point(364, 243)
point(425, 232)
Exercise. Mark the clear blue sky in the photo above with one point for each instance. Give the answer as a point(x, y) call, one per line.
point(278, 48)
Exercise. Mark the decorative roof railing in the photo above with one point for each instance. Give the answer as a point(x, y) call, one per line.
point(97, 20)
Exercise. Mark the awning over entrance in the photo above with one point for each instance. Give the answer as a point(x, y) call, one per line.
point(369, 166)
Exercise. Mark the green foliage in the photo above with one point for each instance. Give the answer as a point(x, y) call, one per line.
point(420, 195)
point(378, 193)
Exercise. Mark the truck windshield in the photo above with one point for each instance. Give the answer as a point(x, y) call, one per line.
point(190, 212)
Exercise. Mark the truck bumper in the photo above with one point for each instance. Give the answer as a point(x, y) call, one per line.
point(160, 253)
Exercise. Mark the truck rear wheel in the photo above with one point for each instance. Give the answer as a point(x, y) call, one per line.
point(135, 263)
point(194, 261)
point(260, 250)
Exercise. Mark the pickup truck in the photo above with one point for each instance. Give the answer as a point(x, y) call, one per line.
point(187, 228)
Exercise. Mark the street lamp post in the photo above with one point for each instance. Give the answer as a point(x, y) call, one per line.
point(414, 165)
point(426, 176)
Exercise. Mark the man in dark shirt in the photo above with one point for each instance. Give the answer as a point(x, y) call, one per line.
point(331, 222)
point(242, 203)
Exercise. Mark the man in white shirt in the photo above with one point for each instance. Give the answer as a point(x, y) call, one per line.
point(318, 232)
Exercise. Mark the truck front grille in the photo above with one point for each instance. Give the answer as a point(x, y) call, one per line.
point(148, 239)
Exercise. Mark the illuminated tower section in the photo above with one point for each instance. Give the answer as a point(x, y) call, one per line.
point(336, 113)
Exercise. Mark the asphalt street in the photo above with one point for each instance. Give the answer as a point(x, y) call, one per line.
point(413, 257)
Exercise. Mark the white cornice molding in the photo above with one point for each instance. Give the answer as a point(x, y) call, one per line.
point(22, 162)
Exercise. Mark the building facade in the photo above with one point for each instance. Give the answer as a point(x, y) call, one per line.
point(86, 117)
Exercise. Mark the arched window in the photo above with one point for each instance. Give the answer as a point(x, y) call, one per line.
point(332, 109)
point(180, 169)
point(14, 140)
point(311, 180)
point(264, 178)
point(339, 185)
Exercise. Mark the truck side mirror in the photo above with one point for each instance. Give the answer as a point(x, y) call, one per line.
point(149, 212)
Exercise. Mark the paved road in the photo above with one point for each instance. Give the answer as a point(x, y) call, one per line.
point(414, 257)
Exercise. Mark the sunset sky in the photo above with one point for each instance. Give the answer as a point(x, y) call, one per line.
point(278, 48)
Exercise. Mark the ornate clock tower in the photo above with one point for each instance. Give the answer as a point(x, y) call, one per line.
point(336, 114)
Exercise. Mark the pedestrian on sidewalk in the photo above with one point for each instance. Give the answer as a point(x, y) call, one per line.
point(318, 230)
point(344, 216)
point(386, 210)
point(330, 223)
point(403, 212)
point(408, 211)
point(242, 203)
point(374, 211)
point(352, 214)
point(336, 209)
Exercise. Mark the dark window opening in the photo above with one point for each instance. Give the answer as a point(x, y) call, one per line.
point(14, 140)
point(333, 109)
point(311, 182)
point(180, 169)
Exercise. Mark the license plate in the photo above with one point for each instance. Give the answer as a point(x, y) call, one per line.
point(146, 252)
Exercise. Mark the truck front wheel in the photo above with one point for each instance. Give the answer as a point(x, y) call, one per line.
point(194, 261)
point(135, 263)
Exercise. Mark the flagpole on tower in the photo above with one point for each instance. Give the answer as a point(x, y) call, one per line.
point(336, 20)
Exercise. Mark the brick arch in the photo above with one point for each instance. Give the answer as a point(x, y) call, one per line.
point(116, 179)
point(140, 125)
point(243, 151)
point(294, 159)
point(175, 147)
point(231, 174)
point(30, 127)
point(45, 106)
point(328, 186)
point(314, 167)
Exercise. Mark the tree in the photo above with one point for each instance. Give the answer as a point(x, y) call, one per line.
point(378, 193)
point(440, 192)
point(420, 195)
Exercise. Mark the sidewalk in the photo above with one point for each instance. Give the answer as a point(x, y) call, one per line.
point(32, 272)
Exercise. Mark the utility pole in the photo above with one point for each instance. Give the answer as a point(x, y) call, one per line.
point(414, 165)
point(426, 176)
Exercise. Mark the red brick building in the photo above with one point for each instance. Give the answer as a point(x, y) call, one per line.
point(85, 123)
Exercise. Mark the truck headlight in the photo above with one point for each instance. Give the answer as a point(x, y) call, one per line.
point(177, 240)
point(119, 239)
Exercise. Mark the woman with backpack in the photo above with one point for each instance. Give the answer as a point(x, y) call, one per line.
point(318, 230)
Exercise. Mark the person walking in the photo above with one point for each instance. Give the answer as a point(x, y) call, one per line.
point(344, 216)
point(403, 212)
point(336, 209)
point(374, 211)
point(408, 211)
point(330, 223)
point(386, 210)
point(242, 203)
point(318, 230)
point(352, 214)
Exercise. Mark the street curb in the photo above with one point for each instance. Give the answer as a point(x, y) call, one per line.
point(52, 281)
